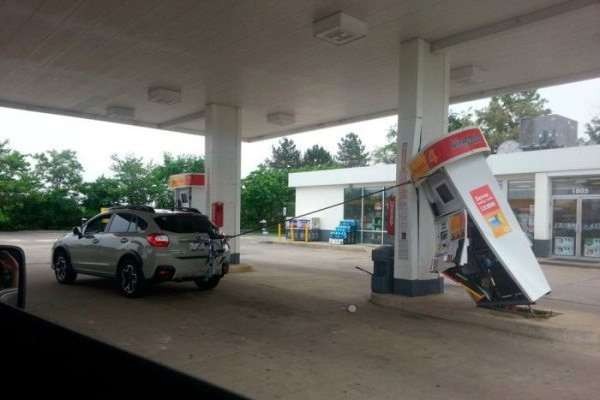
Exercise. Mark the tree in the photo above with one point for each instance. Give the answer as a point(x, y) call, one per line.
point(592, 130)
point(59, 171)
point(103, 192)
point(285, 155)
point(351, 152)
point(459, 120)
point(317, 156)
point(264, 194)
point(16, 185)
point(135, 179)
point(501, 119)
point(387, 153)
point(171, 165)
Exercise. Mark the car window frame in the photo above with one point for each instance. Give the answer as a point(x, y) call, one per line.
point(137, 219)
point(98, 217)
point(121, 214)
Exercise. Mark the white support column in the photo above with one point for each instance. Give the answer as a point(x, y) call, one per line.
point(422, 117)
point(542, 238)
point(223, 167)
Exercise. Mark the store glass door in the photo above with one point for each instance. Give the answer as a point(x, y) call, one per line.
point(564, 228)
point(590, 228)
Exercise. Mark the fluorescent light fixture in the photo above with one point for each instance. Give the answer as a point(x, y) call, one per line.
point(281, 118)
point(339, 28)
point(466, 74)
point(163, 95)
point(120, 112)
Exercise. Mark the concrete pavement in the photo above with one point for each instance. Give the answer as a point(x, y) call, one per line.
point(283, 331)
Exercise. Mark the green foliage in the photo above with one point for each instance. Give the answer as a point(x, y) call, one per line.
point(460, 120)
point(351, 152)
point(103, 192)
point(592, 130)
point(136, 184)
point(51, 194)
point(58, 171)
point(264, 194)
point(172, 165)
point(387, 153)
point(16, 183)
point(500, 120)
point(285, 155)
point(317, 156)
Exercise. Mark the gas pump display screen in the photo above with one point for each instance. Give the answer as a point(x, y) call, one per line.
point(444, 193)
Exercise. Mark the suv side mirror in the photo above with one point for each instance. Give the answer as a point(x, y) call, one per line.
point(12, 276)
point(77, 232)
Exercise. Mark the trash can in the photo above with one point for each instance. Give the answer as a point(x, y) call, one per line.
point(382, 280)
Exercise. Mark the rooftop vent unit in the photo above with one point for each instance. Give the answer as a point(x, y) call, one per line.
point(281, 118)
point(120, 113)
point(339, 28)
point(162, 95)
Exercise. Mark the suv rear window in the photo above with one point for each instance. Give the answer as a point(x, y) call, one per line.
point(186, 223)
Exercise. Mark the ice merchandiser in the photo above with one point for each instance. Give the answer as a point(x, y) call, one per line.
point(479, 242)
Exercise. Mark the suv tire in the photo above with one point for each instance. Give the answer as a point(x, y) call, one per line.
point(63, 270)
point(130, 278)
point(207, 284)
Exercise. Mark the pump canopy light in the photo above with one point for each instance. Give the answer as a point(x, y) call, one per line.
point(339, 29)
point(163, 95)
point(120, 113)
point(281, 118)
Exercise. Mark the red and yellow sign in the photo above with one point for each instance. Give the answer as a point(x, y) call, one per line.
point(182, 180)
point(455, 145)
point(490, 209)
point(457, 225)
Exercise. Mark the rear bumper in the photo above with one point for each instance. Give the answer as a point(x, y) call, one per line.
point(180, 269)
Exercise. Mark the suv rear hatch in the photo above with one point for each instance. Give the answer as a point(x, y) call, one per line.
point(189, 234)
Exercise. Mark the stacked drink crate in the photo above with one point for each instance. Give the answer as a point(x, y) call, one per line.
point(297, 228)
point(345, 232)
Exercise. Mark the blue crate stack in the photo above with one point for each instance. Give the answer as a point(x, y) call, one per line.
point(345, 232)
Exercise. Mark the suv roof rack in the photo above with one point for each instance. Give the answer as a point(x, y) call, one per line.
point(133, 207)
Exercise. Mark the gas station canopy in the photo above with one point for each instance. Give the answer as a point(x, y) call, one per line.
point(158, 63)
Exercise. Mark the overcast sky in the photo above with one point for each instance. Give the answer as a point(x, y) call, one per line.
point(95, 141)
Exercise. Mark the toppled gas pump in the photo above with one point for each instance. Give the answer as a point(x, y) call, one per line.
point(479, 242)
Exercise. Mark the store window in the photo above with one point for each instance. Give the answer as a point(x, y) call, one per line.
point(369, 211)
point(521, 197)
point(353, 209)
point(372, 223)
point(576, 186)
point(576, 216)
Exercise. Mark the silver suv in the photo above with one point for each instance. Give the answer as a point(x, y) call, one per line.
point(138, 246)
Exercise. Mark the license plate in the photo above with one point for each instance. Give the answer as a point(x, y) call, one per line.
point(194, 246)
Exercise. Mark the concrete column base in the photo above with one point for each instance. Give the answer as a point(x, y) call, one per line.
point(235, 258)
point(418, 287)
point(542, 248)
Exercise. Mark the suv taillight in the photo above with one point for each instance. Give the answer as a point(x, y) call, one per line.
point(158, 240)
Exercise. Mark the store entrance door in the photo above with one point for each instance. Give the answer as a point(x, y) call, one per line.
point(576, 227)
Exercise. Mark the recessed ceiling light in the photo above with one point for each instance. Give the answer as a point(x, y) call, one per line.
point(466, 74)
point(339, 28)
point(120, 112)
point(281, 118)
point(163, 95)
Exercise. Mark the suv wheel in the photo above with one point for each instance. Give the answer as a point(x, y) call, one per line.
point(63, 270)
point(130, 278)
point(207, 284)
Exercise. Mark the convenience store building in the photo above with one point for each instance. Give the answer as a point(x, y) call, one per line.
point(554, 193)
